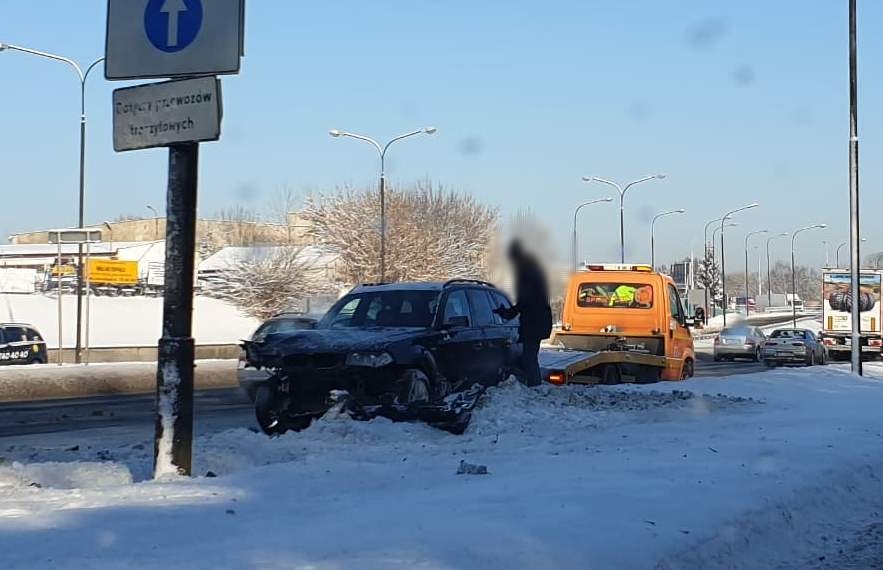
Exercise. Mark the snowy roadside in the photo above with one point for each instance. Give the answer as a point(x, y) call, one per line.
point(600, 477)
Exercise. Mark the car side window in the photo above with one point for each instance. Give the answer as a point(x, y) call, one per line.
point(456, 305)
point(677, 311)
point(500, 300)
point(14, 334)
point(482, 310)
point(33, 335)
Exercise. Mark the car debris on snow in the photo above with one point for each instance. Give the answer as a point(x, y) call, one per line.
point(471, 469)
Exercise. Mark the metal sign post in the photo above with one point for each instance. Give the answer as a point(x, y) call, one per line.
point(174, 420)
point(192, 40)
point(854, 250)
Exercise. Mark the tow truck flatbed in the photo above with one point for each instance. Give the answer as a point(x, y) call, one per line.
point(564, 366)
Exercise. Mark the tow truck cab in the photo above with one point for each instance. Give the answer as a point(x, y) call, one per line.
point(622, 307)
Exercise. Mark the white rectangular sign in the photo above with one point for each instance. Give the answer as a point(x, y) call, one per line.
point(173, 38)
point(162, 114)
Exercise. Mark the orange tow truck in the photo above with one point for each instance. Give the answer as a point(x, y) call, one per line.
point(620, 323)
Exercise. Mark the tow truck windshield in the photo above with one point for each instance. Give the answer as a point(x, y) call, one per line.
point(615, 294)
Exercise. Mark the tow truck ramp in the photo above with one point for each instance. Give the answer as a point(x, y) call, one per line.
point(563, 366)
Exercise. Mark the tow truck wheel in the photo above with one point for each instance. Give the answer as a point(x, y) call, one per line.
point(687, 369)
point(413, 387)
point(268, 411)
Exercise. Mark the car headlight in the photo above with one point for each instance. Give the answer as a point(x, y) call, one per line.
point(369, 359)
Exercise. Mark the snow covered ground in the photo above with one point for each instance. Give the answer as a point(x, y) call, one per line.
point(124, 321)
point(769, 470)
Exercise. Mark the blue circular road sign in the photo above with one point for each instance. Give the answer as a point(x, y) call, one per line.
point(172, 25)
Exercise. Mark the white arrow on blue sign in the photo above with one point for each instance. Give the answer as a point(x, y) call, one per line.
point(173, 38)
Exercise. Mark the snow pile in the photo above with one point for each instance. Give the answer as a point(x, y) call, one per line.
point(755, 471)
point(56, 475)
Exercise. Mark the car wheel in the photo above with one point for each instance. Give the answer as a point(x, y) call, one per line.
point(717, 358)
point(269, 411)
point(413, 387)
point(770, 363)
point(687, 369)
point(811, 359)
point(757, 355)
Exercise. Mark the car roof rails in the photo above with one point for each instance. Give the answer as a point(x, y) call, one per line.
point(471, 281)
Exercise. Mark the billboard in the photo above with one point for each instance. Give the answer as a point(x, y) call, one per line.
point(837, 302)
point(112, 271)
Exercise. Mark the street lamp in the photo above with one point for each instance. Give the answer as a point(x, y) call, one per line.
point(653, 233)
point(723, 256)
point(713, 240)
point(382, 151)
point(622, 190)
point(747, 237)
point(769, 280)
point(793, 274)
point(83, 76)
point(839, 247)
point(155, 222)
point(575, 242)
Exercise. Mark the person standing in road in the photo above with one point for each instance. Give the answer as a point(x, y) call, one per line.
point(532, 306)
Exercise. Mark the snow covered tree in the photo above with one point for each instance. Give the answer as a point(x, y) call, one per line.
point(432, 233)
point(265, 284)
point(709, 276)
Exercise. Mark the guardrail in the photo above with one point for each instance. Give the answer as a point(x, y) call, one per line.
point(103, 354)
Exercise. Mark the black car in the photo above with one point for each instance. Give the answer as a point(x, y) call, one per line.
point(21, 344)
point(250, 377)
point(405, 350)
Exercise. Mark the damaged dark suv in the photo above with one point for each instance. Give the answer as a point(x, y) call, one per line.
point(422, 351)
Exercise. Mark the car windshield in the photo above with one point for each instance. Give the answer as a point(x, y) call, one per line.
point(736, 331)
point(615, 294)
point(383, 308)
point(788, 334)
point(282, 325)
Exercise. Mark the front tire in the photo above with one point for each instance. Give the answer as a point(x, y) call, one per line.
point(687, 370)
point(268, 411)
point(811, 359)
point(413, 387)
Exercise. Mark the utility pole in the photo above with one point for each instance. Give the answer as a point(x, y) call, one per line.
point(855, 253)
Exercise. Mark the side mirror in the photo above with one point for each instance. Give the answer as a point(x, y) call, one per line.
point(458, 322)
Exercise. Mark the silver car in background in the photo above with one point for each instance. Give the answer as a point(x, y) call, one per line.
point(794, 346)
point(247, 375)
point(740, 341)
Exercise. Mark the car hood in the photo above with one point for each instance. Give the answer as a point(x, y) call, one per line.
point(318, 341)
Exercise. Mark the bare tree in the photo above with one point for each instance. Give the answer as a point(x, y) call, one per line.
point(272, 280)
point(432, 233)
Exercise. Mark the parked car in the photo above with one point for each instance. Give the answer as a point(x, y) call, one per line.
point(405, 350)
point(794, 346)
point(249, 376)
point(741, 341)
point(21, 344)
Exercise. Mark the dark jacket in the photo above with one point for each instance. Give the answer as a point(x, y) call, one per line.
point(535, 323)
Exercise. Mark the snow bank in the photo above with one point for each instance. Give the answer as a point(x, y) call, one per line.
point(124, 321)
point(743, 472)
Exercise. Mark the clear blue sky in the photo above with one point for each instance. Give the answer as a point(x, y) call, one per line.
point(734, 101)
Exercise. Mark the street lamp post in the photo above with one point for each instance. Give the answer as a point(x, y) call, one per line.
point(769, 280)
point(827, 254)
point(575, 242)
point(83, 76)
point(381, 149)
point(841, 246)
point(653, 233)
point(723, 256)
point(155, 221)
point(747, 237)
point(793, 270)
point(877, 261)
point(704, 256)
point(713, 242)
point(622, 190)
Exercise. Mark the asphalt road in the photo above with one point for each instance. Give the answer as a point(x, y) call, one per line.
point(214, 409)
